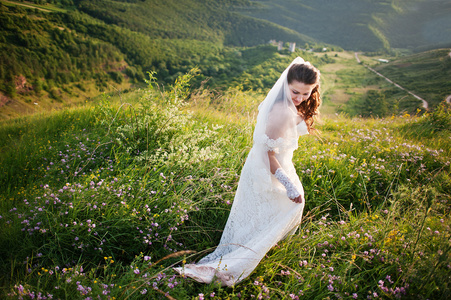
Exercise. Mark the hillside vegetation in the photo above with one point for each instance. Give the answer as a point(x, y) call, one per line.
point(426, 74)
point(105, 200)
point(51, 55)
point(137, 170)
point(364, 25)
point(62, 53)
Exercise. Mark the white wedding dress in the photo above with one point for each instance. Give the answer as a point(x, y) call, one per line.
point(261, 215)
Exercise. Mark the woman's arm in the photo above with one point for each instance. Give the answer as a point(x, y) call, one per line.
point(273, 162)
point(280, 174)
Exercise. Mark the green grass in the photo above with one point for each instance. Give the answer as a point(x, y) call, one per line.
point(105, 200)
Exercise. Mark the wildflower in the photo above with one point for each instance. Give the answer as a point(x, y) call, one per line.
point(201, 296)
point(136, 271)
point(144, 291)
point(20, 289)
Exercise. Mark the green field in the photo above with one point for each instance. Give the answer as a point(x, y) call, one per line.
point(101, 201)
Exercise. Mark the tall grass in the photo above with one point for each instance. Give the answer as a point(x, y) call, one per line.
point(105, 200)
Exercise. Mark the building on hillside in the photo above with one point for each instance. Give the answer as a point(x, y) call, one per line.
point(292, 47)
point(280, 46)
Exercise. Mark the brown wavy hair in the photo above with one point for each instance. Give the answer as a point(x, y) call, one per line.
point(307, 74)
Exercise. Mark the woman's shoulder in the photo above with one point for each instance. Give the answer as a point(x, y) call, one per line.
point(282, 109)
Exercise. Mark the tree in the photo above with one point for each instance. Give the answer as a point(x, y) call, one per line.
point(375, 104)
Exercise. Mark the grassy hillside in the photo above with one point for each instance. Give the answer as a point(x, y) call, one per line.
point(418, 25)
point(426, 74)
point(104, 200)
point(52, 53)
point(40, 56)
point(364, 25)
point(351, 88)
point(213, 21)
point(58, 54)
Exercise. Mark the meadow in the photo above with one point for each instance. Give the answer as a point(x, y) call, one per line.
point(100, 202)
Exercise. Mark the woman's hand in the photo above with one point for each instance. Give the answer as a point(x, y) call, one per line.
point(298, 199)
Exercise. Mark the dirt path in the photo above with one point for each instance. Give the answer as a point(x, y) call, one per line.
point(425, 104)
point(26, 5)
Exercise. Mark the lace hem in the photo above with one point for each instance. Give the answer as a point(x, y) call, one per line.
point(206, 274)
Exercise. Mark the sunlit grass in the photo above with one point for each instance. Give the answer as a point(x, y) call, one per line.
point(105, 200)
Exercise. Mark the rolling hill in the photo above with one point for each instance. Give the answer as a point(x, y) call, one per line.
point(61, 52)
point(364, 25)
point(69, 51)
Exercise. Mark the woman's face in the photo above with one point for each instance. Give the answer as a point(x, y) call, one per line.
point(300, 91)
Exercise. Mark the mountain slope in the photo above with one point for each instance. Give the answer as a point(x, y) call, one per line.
point(213, 21)
point(68, 51)
point(426, 74)
point(364, 25)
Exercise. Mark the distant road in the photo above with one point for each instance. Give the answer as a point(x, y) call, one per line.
point(425, 104)
point(29, 6)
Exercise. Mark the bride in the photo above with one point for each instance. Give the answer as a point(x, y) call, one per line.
point(269, 201)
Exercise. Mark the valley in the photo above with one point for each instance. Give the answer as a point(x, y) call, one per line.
point(79, 50)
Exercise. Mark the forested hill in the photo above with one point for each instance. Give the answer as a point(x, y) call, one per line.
point(64, 49)
point(366, 25)
point(213, 21)
point(57, 52)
